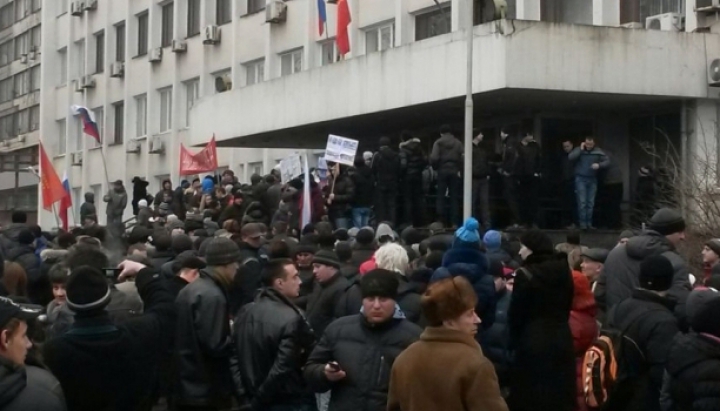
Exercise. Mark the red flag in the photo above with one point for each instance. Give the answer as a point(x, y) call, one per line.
point(204, 161)
point(51, 187)
point(343, 21)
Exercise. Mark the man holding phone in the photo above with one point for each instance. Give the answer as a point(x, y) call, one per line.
point(588, 159)
point(357, 352)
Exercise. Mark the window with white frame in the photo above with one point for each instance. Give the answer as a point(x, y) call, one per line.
point(62, 70)
point(192, 94)
point(118, 123)
point(329, 53)
point(21, 9)
point(8, 128)
point(254, 72)
point(36, 5)
point(120, 41)
point(223, 13)
point(80, 52)
point(62, 136)
point(291, 62)
point(35, 38)
point(76, 138)
point(193, 18)
point(23, 121)
point(166, 35)
point(100, 51)
point(34, 117)
point(142, 37)
point(433, 23)
point(379, 38)
point(99, 114)
point(78, 199)
point(165, 109)
point(141, 115)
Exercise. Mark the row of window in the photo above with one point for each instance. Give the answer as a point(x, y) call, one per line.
point(20, 84)
point(19, 46)
point(17, 10)
point(19, 122)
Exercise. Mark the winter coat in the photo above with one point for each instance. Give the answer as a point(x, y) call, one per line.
point(103, 365)
point(25, 256)
point(364, 181)
point(116, 200)
point(481, 162)
point(249, 277)
point(584, 159)
point(273, 340)
point(232, 212)
point(25, 388)
point(412, 158)
point(306, 287)
point(496, 339)
point(619, 276)
point(509, 156)
point(160, 196)
point(540, 335)
point(612, 174)
point(271, 200)
point(693, 368)
point(584, 329)
point(139, 192)
point(366, 353)
point(87, 209)
point(528, 160)
point(322, 303)
point(143, 217)
point(178, 203)
point(445, 370)
point(648, 319)
point(447, 154)
point(158, 258)
point(344, 191)
point(466, 259)
point(362, 253)
point(9, 237)
point(408, 299)
point(386, 168)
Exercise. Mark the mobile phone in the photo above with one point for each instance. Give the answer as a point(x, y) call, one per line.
point(112, 273)
point(335, 367)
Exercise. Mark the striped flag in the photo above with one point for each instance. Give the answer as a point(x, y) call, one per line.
point(322, 16)
point(90, 127)
point(65, 202)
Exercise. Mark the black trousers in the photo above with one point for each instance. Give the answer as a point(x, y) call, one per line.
point(528, 190)
point(386, 205)
point(414, 200)
point(569, 205)
point(510, 192)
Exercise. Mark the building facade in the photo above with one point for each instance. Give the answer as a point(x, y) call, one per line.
point(262, 74)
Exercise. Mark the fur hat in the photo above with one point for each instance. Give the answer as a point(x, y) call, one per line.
point(379, 283)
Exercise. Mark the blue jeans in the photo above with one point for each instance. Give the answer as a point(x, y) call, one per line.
point(342, 222)
point(585, 189)
point(361, 216)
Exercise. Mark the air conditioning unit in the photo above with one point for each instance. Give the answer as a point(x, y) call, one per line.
point(212, 35)
point(155, 145)
point(78, 85)
point(155, 55)
point(665, 22)
point(223, 83)
point(706, 6)
point(88, 82)
point(276, 12)
point(76, 8)
point(133, 147)
point(91, 4)
point(179, 46)
point(76, 159)
point(633, 25)
point(117, 69)
point(23, 59)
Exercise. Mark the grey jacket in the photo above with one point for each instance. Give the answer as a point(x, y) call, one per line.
point(447, 154)
point(116, 200)
point(584, 159)
point(29, 388)
point(87, 209)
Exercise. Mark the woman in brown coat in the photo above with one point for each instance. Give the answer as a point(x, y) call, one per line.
point(446, 370)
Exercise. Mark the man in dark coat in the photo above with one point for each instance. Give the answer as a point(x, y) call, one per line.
point(9, 236)
point(356, 353)
point(338, 201)
point(103, 365)
point(364, 247)
point(303, 254)
point(413, 162)
point(165, 195)
point(87, 209)
point(528, 172)
point(328, 289)
point(481, 182)
point(178, 200)
point(362, 202)
point(543, 371)
point(236, 210)
point(386, 170)
point(619, 277)
point(496, 340)
point(251, 261)
point(647, 318)
point(447, 159)
point(116, 200)
point(139, 192)
point(24, 254)
point(273, 340)
point(510, 181)
point(273, 195)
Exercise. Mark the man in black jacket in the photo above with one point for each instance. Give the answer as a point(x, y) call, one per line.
point(481, 182)
point(103, 365)
point(328, 289)
point(510, 182)
point(362, 176)
point(412, 163)
point(386, 170)
point(273, 340)
point(204, 348)
point(357, 352)
point(251, 260)
point(447, 159)
point(647, 318)
point(528, 173)
point(339, 199)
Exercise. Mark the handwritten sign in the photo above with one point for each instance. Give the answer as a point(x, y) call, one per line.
point(341, 150)
point(290, 168)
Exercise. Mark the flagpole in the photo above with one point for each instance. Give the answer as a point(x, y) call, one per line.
point(55, 214)
point(57, 219)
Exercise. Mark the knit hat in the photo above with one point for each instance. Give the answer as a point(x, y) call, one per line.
point(221, 251)
point(656, 273)
point(469, 231)
point(703, 310)
point(537, 241)
point(384, 231)
point(326, 257)
point(714, 245)
point(365, 236)
point(181, 242)
point(596, 254)
point(304, 247)
point(26, 237)
point(142, 203)
point(492, 240)
point(379, 283)
point(667, 221)
point(412, 236)
point(341, 234)
point(87, 290)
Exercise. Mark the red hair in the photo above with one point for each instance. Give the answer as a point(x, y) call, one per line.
point(583, 299)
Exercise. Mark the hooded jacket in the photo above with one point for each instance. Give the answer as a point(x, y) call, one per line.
point(412, 158)
point(24, 388)
point(447, 154)
point(143, 216)
point(160, 196)
point(9, 236)
point(87, 209)
point(386, 168)
point(116, 200)
point(693, 368)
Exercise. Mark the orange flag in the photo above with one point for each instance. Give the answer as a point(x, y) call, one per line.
point(51, 186)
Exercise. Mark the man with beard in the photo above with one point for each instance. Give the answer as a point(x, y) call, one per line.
point(273, 340)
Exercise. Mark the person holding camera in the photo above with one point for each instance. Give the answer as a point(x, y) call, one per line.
point(588, 160)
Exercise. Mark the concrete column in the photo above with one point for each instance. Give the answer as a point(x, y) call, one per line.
point(403, 24)
point(457, 7)
point(528, 9)
point(356, 37)
point(606, 12)
point(691, 18)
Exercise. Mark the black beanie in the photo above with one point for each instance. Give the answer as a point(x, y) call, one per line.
point(87, 289)
point(379, 283)
point(656, 273)
point(667, 221)
point(181, 242)
point(365, 236)
point(703, 309)
point(537, 241)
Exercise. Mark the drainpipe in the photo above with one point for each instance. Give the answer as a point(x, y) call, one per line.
point(469, 109)
point(684, 167)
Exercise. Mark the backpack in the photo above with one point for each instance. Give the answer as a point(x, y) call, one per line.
point(611, 367)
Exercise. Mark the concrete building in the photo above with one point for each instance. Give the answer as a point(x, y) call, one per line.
point(257, 76)
point(19, 105)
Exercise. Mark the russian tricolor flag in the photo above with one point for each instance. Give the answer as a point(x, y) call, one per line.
point(90, 127)
point(322, 16)
point(65, 202)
